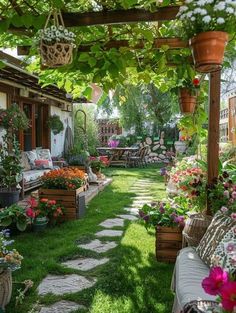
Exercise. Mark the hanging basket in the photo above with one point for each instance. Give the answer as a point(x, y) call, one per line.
point(208, 50)
point(187, 101)
point(59, 53)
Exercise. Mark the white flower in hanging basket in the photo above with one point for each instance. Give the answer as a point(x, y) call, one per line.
point(56, 43)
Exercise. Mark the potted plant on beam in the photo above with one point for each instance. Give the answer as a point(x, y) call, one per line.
point(208, 24)
point(188, 95)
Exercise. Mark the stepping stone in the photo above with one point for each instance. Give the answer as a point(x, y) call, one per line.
point(109, 233)
point(112, 222)
point(85, 264)
point(128, 217)
point(64, 284)
point(98, 246)
point(62, 307)
point(133, 211)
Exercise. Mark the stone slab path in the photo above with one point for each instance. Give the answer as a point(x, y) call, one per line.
point(98, 246)
point(85, 264)
point(62, 307)
point(66, 284)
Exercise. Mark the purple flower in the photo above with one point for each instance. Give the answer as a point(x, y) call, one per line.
point(226, 193)
point(233, 216)
point(146, 218)
point(161, 209)
point(224, 209)
point(179, 220)
point(234, 194)
point(230, 247)
point(173, 216)
point(141, 213)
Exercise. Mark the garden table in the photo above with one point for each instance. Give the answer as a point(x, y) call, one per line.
point(115, 154)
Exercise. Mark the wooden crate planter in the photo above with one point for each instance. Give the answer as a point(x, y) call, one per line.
point(68, 198)
point(168, 243)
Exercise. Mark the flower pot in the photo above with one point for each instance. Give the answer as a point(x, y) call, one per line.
point(56, 55)
point(187, 101)
point(5, 287)
point(8, 197)
point(168, 243)
point(208, 50)
point(40, 223)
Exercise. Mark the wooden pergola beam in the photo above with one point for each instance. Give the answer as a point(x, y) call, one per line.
point(173, 43)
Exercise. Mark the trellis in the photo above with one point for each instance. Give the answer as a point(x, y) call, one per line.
point(160, 15)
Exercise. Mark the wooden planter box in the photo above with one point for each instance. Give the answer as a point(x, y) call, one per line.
point(68, 198)
point(168, 243)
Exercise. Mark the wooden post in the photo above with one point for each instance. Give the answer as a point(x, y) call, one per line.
point(213, 128)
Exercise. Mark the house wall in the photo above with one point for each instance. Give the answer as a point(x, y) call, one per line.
point(3, 105)
point(57, 141)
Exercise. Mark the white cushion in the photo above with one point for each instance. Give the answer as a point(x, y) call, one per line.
point(190, 270)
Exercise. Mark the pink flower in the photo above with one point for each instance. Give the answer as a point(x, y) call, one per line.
point(32, 202)
point(233, 216)
point(30, 213)
point(226, 193)
point(228, 294)
point(214, 282)
point(224, 209)
point(230, 247)
point(234, 194)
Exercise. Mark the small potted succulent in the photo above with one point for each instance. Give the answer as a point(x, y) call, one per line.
point(10, 260)
point(208, 24)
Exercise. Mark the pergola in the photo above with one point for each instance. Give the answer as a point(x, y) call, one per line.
point(162, 14)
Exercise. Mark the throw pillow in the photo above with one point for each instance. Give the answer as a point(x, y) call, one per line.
point(216, 231)
point(41, 164)
point(25, 162)
point(225, 252)
point(32, 156)
point(45, 154)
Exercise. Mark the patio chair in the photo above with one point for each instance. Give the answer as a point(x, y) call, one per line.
point(137, 159)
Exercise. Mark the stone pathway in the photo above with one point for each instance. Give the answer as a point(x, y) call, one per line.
point(65, 284)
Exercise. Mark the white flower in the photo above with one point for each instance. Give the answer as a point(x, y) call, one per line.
point(193, 18)
point(183, 9)
point(203, 12)
point(201, 2)
point(220, 20)
point(220, 6)
point(189, 14)
point(206, 19)
point(197, 10)
point(229, 10)
point(53, 27)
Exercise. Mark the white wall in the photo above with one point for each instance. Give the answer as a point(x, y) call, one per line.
point(3, 105)
point(57, 141)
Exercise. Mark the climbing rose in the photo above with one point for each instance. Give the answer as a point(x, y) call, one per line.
point(228, 294)
point(214, 282)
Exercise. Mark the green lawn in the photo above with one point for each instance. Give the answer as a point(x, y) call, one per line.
point(132, 282)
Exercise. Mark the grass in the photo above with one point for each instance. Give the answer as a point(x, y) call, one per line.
point(131, 282)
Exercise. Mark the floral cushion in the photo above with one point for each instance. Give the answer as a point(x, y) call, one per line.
point(225, 253)
point(45, 154)
point(32, 156)
point(218, 228)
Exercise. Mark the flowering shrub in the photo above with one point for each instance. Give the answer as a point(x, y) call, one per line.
point(54, 34)
point(9, 259)
point(162, 214)
point(191, 84)
point(222, 195)
point(65, 178)
point(13, 118)
point(221, 283)
point(97, 163)
point(44, 207)
point(207, 15)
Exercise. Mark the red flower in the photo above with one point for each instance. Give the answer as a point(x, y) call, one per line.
point(52, 202)
point(215, 281)
point(196, 82)
point(228, 294)
point(32, 202)
point(30, 213)
point(44, 200)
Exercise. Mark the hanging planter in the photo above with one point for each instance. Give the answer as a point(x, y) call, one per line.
point(187, 101)
point(208, 50)
point(55, 124)
point(56, 42)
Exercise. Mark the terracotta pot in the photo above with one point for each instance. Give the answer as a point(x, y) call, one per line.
point(208, 50)
point(168, 243)
point(5, 287)
point(187, 101)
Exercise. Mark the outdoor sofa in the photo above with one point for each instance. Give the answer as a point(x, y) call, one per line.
point(193, 265)
point(35, 163)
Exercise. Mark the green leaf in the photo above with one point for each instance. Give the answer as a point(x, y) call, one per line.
point(84, 57)
point(68, 85)
point(21, 225)
point(6, 221)
point(88, 92)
